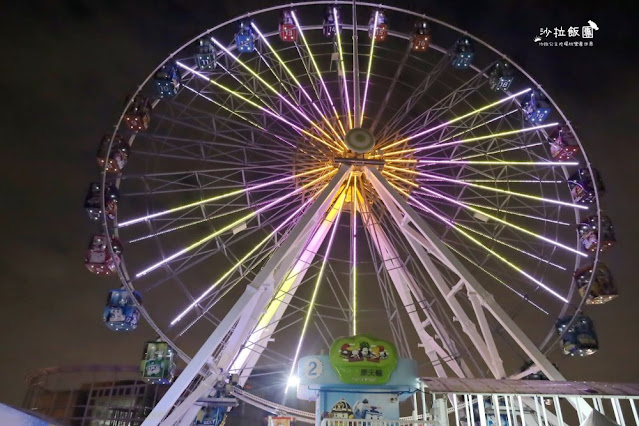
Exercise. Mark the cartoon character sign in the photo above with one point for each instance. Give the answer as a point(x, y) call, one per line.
point(363, 359)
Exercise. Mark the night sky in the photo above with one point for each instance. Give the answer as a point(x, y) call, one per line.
point(68, 66)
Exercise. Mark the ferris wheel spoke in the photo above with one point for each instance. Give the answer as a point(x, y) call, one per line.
point(318, 72)
point(386, 147)
point(206, 149)
point(262, 108)
point(338, 205)
point(229, 194)
point(240, 262)
point(225, 246)
point(321, 103)
point(496, 255)
point(446, 104)
point(391, 88)
point(228, 227)
point(319, 111)
point(369, 68)
point(211, 151)
point(440, 68)
point(235, 126)
point(342, 66)
point(293, 279)
point(283, 98)
point(502, 221)
point(493, 189)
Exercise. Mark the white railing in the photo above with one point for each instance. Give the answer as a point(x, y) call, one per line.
point(486, 402)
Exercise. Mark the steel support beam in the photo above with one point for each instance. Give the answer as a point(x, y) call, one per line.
point(247, 310)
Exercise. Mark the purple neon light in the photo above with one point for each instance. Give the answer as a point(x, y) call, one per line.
point(533, 197)
point(292, 75)
point(370, 63)
point(503, 259)
point(319, 74)
point(495, 218)
point(218, 232)
point(261, 108)
point(213, 286)
point(282, 97)
point(238, 114)
point(207, 200)
point(439, 126)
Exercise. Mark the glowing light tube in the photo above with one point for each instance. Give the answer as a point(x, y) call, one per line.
point(498, 162)
point(250, 102)
point(510, 212)
point(341, 60)
point(294, 78)
point(237, 115)
point(473, 139)
point(240, 262)
point(272, 89)
point(230, 226)
point(454, 120)
point(370, 65)
point(500, 151)
point(218, 197)
point(285, 290)
point(497, 255)
point(317, 70)
point(496, 278)
point(354, 253)
point(505, 222)
point(488, 188)
point(485, 123)
point(320, 275)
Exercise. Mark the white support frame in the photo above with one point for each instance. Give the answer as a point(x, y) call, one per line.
point(425, 242)
point(245, 313)
point(407, 289)
point(405, 215)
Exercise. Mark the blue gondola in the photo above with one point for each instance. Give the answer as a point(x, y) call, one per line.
point(536, 107)
point(120, 312)
point(501, 76)
point(582, 186)
point(205, 54)
point(157, 365)
point(168, 79)
point(93, 206)
point(463, 53)
point(245, 39)
point(580, 339)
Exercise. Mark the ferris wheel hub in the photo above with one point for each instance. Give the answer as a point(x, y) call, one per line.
point(360, 140)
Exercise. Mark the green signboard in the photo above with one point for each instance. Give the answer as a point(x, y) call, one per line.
point(363, 359)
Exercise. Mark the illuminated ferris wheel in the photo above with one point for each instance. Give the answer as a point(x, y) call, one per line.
point(282, 180)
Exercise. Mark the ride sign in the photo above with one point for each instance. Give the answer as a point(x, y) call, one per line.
point(363, 359)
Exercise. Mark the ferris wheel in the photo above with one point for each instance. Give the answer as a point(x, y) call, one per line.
point(282, 180)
